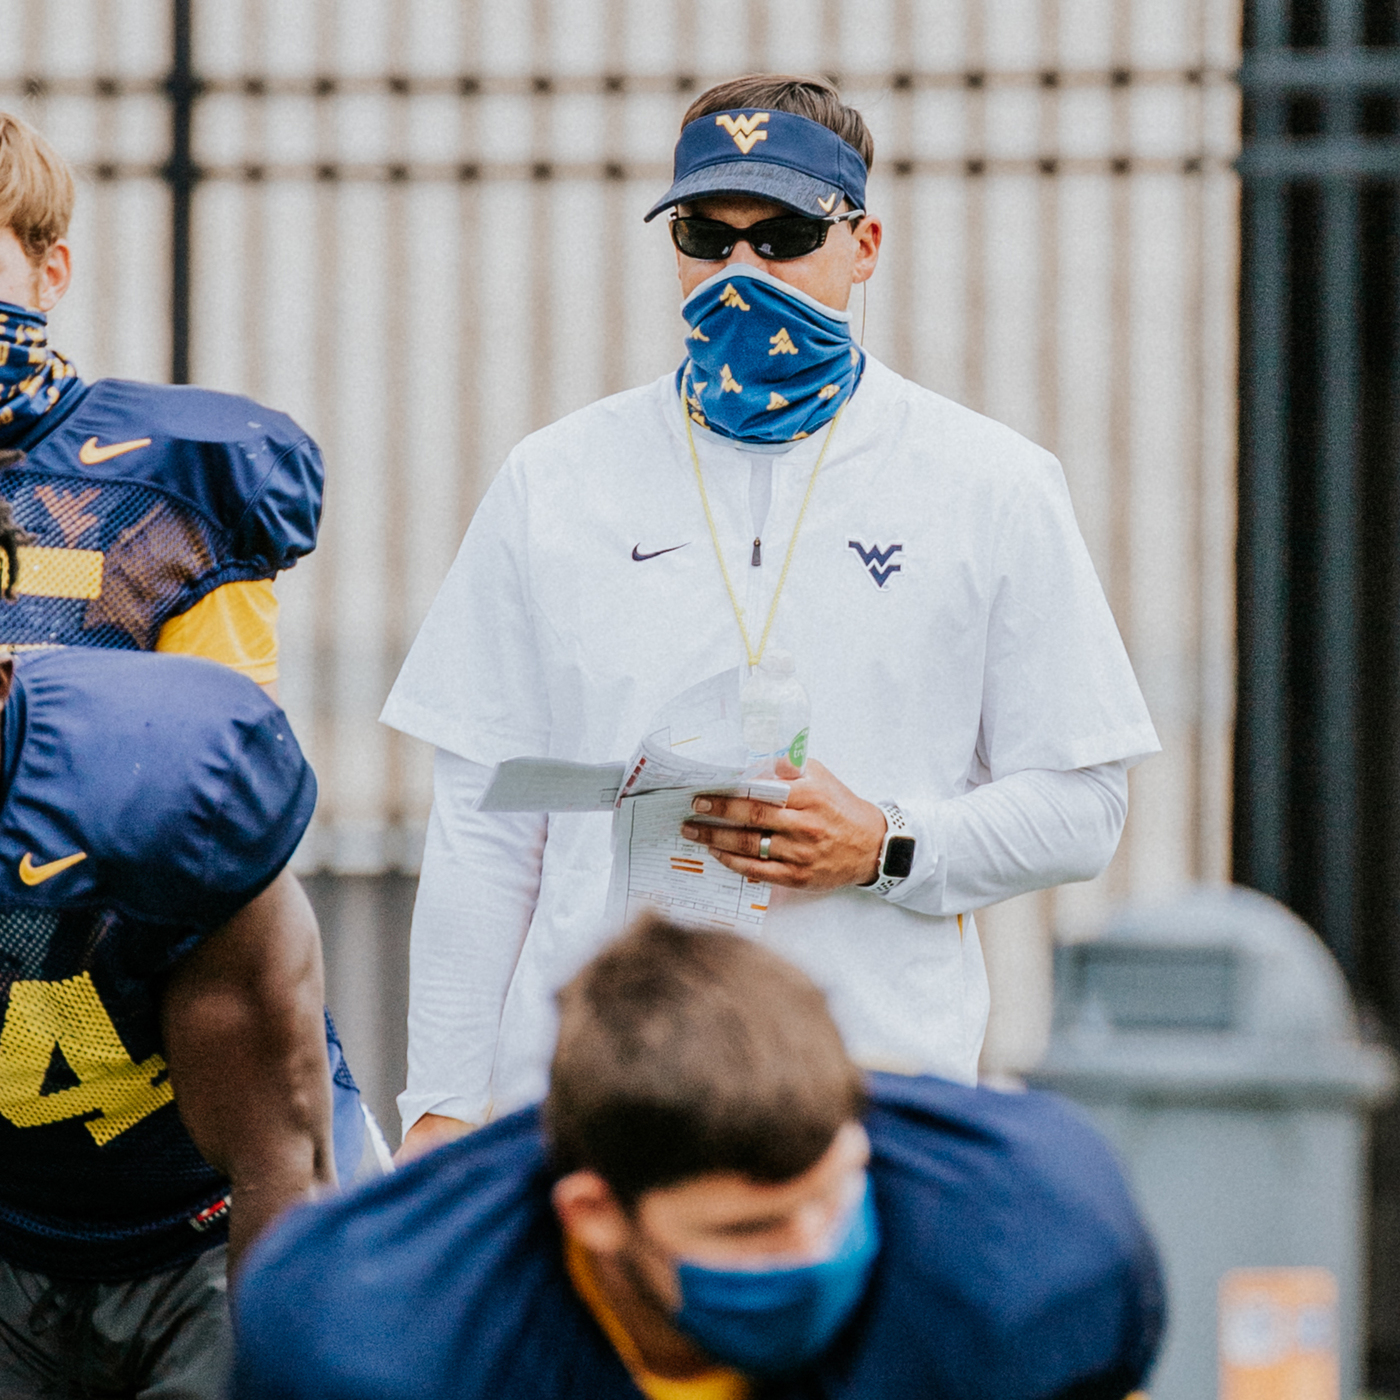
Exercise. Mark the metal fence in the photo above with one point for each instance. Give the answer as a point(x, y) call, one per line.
point(1318, 796)
point(415, 225)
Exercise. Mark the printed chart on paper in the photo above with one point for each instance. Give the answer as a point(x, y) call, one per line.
point(694, 744)
point(656, 868)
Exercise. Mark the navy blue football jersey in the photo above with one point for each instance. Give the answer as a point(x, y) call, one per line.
point(1012, 1263)
point(144, 498)
point(146, 799)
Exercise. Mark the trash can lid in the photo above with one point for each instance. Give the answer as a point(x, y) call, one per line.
point(1285, 983)
point(1219, 993)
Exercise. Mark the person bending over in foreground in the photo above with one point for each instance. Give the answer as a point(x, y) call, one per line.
point(164, 1083)
point(712, 1204)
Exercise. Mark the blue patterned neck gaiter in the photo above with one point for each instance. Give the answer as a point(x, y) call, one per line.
point(33, 377)
point(767, 363)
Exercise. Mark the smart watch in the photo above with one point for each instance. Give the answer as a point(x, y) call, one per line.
point(896, 851)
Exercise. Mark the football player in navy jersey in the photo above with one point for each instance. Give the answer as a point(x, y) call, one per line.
point(159, 514)
point(714, 1204)
point(156, 516)
point(164, 1087)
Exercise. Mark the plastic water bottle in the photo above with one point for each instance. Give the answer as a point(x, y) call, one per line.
point(777, 715)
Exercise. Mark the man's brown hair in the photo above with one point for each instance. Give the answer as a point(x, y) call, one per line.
point(36, 188)
point(684, 1053)
point(814, 98)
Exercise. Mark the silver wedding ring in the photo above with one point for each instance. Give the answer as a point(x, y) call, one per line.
point(765, 846)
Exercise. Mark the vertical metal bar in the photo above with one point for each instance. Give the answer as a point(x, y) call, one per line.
point(1047, 414)
point(902, 200)
point(473, 474)
point(398, 623)
point(1203, 751)
point(975, 211)
point(1377, 941)
point(543, 195)
point(326, 237)
point(1122, 313)
point(758, 36)
point(830, 36)
point(107, 263)
point(1337, 576)
point(182, 88)
point(612, 270)
point(258, 377)
point(1036, 950)
point(1338, 593)
point(1263, 726)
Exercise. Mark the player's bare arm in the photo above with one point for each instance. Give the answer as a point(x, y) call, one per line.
point(245, 1039)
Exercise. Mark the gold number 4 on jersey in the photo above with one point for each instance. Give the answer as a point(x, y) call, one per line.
point(69, 1015)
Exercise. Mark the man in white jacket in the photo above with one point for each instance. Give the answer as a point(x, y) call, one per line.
point(922, 564)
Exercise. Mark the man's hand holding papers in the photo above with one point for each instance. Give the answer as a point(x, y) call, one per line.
point(693, 751)
point(820, 838)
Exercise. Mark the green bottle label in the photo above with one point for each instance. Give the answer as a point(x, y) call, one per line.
point(797, 750)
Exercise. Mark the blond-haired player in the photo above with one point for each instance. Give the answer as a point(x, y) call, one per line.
point(159, 515)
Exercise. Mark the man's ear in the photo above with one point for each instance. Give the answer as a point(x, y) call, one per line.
point(589, 1212)
point(7, 675)
point(868, 235)
point(55, 271)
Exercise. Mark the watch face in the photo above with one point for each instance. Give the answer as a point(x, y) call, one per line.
point(899, 857)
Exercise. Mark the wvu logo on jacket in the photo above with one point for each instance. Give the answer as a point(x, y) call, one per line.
point(877, 560)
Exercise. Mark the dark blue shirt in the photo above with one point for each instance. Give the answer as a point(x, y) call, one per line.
point(1013, 1267)
point(143, 801)
point(144, 498)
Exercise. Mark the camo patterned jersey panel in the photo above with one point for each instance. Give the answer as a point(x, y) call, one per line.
point(109, 563)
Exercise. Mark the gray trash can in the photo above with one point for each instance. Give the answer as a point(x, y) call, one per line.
point(1213, 1040)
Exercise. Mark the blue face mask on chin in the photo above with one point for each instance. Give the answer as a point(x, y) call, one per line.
point(767, 363)
point(766, 1321)
point(33, 377)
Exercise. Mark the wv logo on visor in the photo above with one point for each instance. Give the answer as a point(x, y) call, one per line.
point(877, 560)
point(744, 130)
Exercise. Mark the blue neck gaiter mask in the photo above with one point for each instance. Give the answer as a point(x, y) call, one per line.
point(766, 1321)
point(33, 377)
point(767, 363)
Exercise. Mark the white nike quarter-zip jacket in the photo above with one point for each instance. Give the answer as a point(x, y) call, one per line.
point(946, 622)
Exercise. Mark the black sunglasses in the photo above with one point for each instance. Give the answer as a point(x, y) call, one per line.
point(791, 236)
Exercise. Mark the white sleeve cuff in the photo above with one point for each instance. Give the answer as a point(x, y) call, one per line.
point(413, 1106)
point(921, 822)
point(1027, 831)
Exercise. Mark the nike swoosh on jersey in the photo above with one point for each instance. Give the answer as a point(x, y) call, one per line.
point(33, 874)
point(642, 558)
point(91, 455)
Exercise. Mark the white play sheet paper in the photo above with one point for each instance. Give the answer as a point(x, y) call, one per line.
point(549, 785)
point(694, 744)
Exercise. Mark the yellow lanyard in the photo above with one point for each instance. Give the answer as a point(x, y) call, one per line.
point(754, 656)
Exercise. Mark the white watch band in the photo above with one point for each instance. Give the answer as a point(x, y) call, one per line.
point(896, 824)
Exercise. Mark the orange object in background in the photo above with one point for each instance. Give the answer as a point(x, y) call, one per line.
point(1278, 1335)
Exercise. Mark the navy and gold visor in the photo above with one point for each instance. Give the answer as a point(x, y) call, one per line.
point(791, 160)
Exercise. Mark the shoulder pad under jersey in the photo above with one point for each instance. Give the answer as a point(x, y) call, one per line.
point(249, 469)
point(1013, 1260)
point(442, 1281)
point(179, 781)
